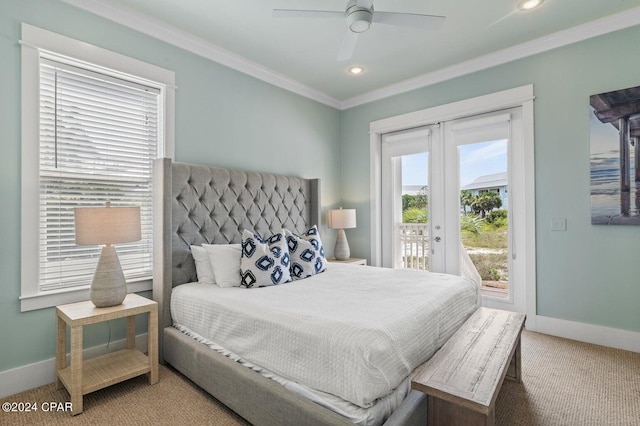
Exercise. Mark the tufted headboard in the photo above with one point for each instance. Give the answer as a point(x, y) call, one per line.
point(196, 205)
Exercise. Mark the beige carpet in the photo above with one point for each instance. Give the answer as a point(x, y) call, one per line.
point(571, 383)
point(564, 383)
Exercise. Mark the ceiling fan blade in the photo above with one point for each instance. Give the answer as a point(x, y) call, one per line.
point(292, 13)
point(348, 45)
point(425, 22)
point(365, 3)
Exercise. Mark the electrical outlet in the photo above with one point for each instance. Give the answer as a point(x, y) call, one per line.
point(558, 224)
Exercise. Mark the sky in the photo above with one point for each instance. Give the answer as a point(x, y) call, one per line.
point(476, 160)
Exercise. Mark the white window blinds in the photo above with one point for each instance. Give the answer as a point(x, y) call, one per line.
point(98, 139)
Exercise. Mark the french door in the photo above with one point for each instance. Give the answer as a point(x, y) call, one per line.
point(451, 198)
point(407, 200)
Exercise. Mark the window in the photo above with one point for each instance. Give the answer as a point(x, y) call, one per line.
point(98, 140)
point(99, 128)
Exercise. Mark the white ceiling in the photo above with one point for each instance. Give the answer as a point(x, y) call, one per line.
point(300, 54)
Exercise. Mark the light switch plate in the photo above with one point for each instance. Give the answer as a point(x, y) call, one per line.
point(558, 224)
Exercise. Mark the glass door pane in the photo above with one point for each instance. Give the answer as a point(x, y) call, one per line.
point(412, 232)
point(484, 225)
point(405, 199)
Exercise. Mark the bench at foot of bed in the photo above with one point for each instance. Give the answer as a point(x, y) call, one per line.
point(463, 378)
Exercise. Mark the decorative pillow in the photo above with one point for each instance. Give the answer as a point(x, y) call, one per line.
point(264, 262)
point(225, 263)
point(203, 265)
point(307, 253)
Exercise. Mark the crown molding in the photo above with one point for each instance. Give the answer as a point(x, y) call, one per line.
point(169, 34)
point(618, 21)
point(184, 40)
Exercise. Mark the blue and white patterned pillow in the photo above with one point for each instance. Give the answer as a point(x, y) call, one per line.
point(264, 262)
point(307, 253)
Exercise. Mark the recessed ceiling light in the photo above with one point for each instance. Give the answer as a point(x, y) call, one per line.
point(529, 4)
point(355, 70)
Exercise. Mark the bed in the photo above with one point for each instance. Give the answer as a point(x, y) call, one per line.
point(195, 205)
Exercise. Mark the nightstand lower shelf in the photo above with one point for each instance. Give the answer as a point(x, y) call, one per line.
point(108, 369)
point(81, 377)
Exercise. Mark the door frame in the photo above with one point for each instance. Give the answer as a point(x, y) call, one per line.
point(516, 97)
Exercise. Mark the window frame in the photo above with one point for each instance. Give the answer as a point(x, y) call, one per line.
point(34, 41)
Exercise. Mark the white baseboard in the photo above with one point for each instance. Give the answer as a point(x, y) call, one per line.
point(596, 334)
point(44, 372)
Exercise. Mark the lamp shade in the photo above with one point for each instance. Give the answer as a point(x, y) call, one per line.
point(341, 219)
point(107, 225)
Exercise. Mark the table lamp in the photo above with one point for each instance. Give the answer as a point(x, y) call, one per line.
point(341, 219)
point(107, 225)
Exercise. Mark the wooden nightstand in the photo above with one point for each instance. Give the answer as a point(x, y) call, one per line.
point(81, 378)
point(351, 260)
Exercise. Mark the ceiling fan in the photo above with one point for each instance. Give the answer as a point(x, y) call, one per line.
point(360, 15)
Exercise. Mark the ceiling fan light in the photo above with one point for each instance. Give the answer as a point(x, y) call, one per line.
point(360, 26)
point(529, 4)
point(359, 21)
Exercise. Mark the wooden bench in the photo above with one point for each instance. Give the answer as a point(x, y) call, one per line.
point(463, 378)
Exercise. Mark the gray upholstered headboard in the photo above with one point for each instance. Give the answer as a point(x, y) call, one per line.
point(198, 204)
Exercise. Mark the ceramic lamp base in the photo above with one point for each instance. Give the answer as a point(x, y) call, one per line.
point(341, 250)
point(108, 287)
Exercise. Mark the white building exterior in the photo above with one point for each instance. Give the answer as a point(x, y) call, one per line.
point(496, 182)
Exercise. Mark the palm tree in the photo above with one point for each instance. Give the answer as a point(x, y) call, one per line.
point(466, 199)
point(486, 202)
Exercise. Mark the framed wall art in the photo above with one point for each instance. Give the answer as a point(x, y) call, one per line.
point(615, 157)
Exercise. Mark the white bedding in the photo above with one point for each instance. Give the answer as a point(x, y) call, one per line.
point(353, 331)
point(374, 415)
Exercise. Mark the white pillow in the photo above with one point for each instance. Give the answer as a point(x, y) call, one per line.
point(225, 263)
point(203, 265)
point(307, 253)
point(264, 262)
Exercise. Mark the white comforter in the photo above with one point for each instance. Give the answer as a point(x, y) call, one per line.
point(352, 331)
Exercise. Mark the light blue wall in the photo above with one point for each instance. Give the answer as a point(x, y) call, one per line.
point(589, 274)
point(223, 118)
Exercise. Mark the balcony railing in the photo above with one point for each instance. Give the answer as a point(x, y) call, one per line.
point(413, 251)
point(413, 245)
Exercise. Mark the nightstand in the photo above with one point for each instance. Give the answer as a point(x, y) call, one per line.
point(81, 378)
point(351, 260)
